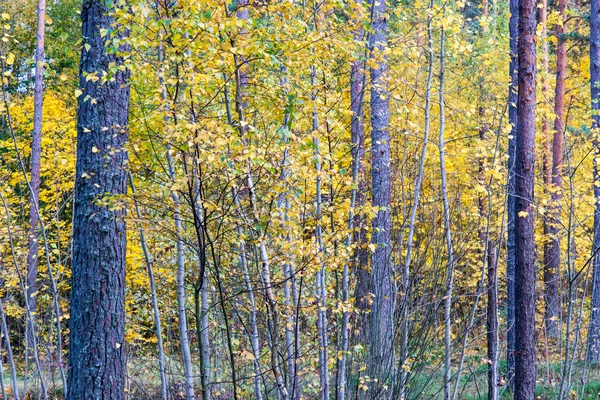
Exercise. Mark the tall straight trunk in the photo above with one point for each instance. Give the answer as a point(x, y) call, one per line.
point(492, 321)
point(525, 271)
point(155, 311)
point(511, 199)
point(36, 153)
point(97, 323)
point(593, 351)
point(320, 287)
point(447, 229)
point(552, 248)
point(382, 329)
point(357, 199)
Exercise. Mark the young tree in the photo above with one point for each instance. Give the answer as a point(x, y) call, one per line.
point(97, 325)
point(525, 271)
point(36, 154)
point(381, 350)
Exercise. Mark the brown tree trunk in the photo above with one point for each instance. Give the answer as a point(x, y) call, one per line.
point(552, 228)
point(525, 271)
point(97, 324)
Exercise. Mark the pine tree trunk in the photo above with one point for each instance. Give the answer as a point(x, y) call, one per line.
point(525, 269)
point(552, 248)
point(593, 351)
point(97, 323)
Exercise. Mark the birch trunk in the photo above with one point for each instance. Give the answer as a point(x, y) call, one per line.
point(448, 230)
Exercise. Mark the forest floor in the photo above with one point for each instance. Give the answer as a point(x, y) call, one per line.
point(144, 383)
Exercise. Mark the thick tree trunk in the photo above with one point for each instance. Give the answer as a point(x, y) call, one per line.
point(593, 351)
point(511, 216)
point(97, 324)
point(525, 271)
point(381, 348)
point(552, 248)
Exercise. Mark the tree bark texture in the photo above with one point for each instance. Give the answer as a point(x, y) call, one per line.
point(381, 349)
point(525, 271)
point(97, 325)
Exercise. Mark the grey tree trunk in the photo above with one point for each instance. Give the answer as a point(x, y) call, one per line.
point(413, 214)
point(97, 323)
point(593, 350)
point(35, 180)
point(181, 295)
point(320, 288)
point(525, 269)
point(381, 347)
point(155, 311)
point(447, 228)
point(492, 321)
point(511, 216)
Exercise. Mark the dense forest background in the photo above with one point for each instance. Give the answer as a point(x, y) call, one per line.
point(300, 199)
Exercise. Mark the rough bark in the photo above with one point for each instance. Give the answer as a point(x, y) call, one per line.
point(593, 351)
point(381, 349)
point(552, 248)
point(511, 216)
point(97, 324)
point(525, 271)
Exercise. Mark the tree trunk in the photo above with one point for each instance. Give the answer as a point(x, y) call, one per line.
point(447, 229)
point(552, 248)
point(36, 154)
point(511, 217)
point(155, 311)
point(593, 351)
point(525, 271)
point(97, 324)
point(381, 349)
point(492, 322)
